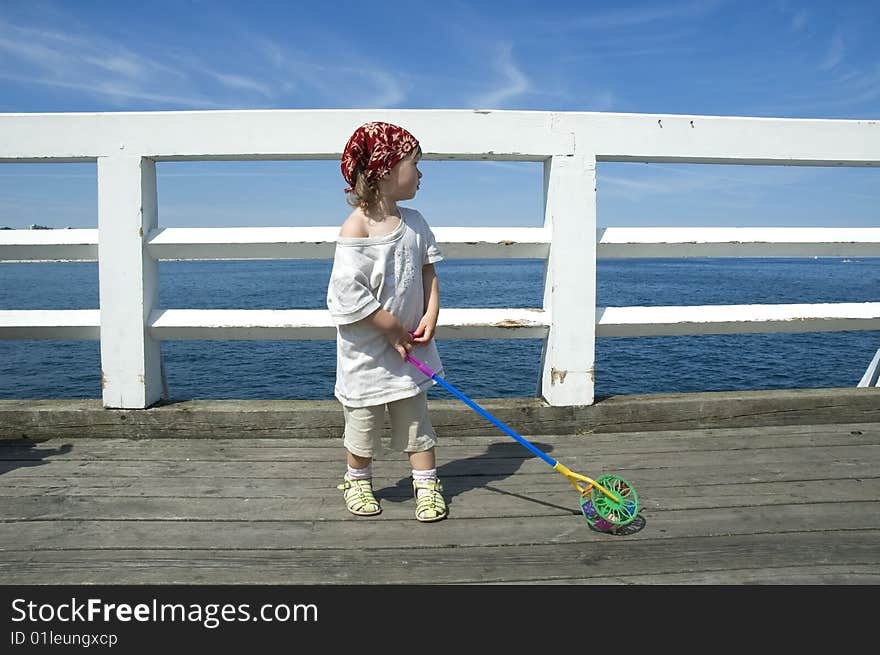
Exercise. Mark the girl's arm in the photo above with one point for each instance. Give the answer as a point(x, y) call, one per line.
point(425, 332)
point(394, 331)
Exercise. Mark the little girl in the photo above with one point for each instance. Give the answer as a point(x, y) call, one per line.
point(384, 298)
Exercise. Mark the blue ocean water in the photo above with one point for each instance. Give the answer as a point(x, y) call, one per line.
point(480, 368)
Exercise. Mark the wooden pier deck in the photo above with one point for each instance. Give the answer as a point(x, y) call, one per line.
point(792, 504)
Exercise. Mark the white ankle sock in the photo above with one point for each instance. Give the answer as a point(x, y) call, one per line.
point(424, 476)
point(360, 474)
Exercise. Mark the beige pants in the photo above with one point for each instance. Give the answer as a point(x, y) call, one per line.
point(411, 429)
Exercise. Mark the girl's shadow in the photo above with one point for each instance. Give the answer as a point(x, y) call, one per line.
point(19, 453)
point(500, 461)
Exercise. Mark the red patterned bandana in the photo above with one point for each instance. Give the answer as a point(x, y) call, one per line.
point(373, 150)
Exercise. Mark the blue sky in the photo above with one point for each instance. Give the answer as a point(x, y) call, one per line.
point(817, 59)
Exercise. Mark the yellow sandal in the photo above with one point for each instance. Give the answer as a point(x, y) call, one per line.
point(359, 498)
point(430, 505)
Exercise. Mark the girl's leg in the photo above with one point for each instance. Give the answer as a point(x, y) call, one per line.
point(411, 431)
point(356, 461)
point(430, 504)
point(423, 461)
point(362, 426)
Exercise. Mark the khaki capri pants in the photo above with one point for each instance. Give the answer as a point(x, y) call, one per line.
point(411, 429)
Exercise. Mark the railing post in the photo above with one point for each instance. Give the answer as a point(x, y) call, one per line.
point(129, 281)
point(568, 359)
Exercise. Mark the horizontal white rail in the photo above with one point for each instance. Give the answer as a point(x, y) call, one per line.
point(644, 242)
point(507, 323)
point(456, 243)
point(457, 323)
point(243, 243)
point(48, 245)
point(316, 324)
point(736, 319)
point(446, 134)
point(259, 324)
point(319, 242)
point(658, 138)
point(50, 324)
point(264, 243)
point(277, 134)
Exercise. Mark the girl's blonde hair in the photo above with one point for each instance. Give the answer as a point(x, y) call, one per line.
point(365, 193)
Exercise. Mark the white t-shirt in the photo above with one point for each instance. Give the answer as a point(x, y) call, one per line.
point(369, 273)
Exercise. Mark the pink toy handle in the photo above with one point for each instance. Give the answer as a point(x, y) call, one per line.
point(421, 366)
point(424, 368)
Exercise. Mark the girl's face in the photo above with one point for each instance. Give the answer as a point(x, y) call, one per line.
point(403, 180)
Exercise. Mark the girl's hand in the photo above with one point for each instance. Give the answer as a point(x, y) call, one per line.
point(397, 336)
point(425, 332)
point(401, 340)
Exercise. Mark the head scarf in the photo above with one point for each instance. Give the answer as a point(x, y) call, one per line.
point(373, 150)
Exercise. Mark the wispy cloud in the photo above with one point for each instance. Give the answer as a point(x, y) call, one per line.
point(519, 167)
point(842, 76)
point(369, 85)
point(659, 184)
point(845, 92)
point(835, 54)
point(261, 175)
point(119, 93)
point(94, 65)
point(639, 16)
point(629, 51)
point(241, 82)
point(102, 68)
point(387, 90)
point(799, 21)
point(514, 82)
point(46, 48)
point(601, 101)
point(45, 173)
point(667, 179)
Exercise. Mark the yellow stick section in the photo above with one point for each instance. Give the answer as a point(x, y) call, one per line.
point(574, 478)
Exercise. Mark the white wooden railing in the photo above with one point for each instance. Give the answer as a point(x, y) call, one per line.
point(129, 243)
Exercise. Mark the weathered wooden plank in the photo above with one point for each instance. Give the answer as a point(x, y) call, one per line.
point(856, 456)
point(744, 475)
point(396, 529)
point(245, 420)
point(493, 500)
point(538, 563)
point(261, 501)
point(469, 500)
point(305, 449)
point(489, 435)
point(466, 499)
point(807, 574)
